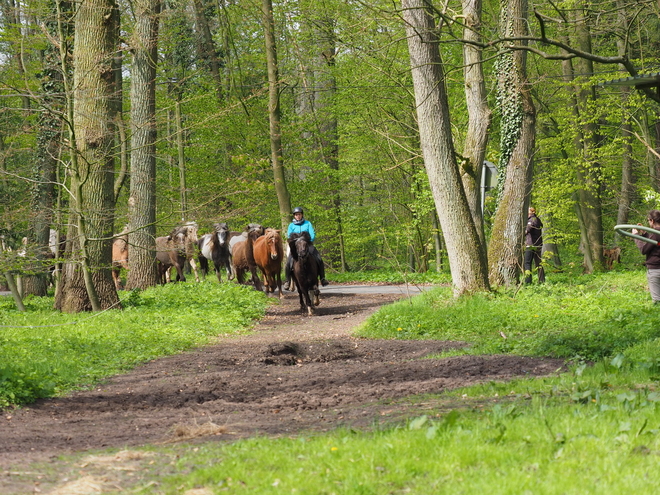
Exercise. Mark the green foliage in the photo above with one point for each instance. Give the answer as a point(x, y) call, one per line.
point(43, 352)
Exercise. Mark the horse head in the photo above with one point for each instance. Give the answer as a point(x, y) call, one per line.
point(255, 227)
point(274, 243)
point(221, 232)
point(299, 244)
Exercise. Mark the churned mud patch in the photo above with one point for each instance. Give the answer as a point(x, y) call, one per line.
point(293, 374)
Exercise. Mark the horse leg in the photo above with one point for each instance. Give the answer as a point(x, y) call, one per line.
point(308, 302)
point(303, 307)
point(179, 271)
point(230, 271)
point(255, 278)
point(278, 282)
point(218, 272)
point(203, 265)
point(193, 266)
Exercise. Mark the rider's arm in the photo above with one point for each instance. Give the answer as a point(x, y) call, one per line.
point(310, 228)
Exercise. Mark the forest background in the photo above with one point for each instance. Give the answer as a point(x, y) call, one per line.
point(373, 116)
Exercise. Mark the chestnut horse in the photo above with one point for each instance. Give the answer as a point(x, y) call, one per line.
point(268, 255)
point(243, 259)
point(305, 271)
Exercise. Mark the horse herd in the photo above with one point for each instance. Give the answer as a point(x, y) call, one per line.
point(255, 249)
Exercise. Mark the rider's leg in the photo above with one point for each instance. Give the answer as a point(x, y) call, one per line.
point(288, 267)
point(321, 266)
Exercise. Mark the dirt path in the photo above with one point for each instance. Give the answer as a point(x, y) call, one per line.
point(295, 373)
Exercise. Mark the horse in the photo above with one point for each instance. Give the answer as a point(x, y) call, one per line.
point(119, 256)
point(215, 247)
point(171, 252)
point(268, 254)
point(189, 231)
point(235, 237)
point(243, 259)
point(305, 272)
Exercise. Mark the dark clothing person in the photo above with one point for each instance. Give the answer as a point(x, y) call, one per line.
point(652, 253)
point(533, 246)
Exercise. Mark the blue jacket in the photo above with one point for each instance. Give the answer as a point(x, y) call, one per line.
point(305, 226)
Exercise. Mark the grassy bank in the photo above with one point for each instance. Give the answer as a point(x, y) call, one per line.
point(578, 317)
point(44, 353)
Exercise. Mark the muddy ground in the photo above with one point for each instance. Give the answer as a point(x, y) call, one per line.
point(294, 374)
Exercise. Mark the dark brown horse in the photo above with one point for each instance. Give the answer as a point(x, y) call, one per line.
point(268, 254)
point(305, 272)
point(243, 259)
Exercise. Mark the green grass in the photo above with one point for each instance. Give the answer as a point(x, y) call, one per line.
point(536, 448)
point(594, 429)
point(44, 353)
point(586, 317)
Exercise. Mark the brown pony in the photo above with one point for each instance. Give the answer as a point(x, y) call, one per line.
point(243, 259)
point(268, 254)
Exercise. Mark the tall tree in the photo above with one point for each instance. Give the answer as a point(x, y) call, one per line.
point(518, 118)
point(274, 114)
point(466, 253)
point(48, 148)
point(627, 173)
point(587, 142)
point(206, 47)
point(479, 114)
point(87, 281)
point(142, 200)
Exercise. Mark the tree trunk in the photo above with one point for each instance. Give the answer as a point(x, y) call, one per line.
point(281, 190)
point(466, 253)
point(206, 48)
point(516, 151)
point(479, 115)
point(46, 163)
point(627, 172)
point(87, 282)
point(588, 169)
point(181, 157)
point(143, 271)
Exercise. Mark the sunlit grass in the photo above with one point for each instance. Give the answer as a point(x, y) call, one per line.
point(43, 352)
point(583, 317)
point(539, 443)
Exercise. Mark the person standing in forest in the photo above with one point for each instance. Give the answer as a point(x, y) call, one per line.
point(652, 253)
point(533, 246)
point(298, 226)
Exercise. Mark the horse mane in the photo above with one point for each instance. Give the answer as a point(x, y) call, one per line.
point(271, 233)
point(254, 227)
point(292, 242)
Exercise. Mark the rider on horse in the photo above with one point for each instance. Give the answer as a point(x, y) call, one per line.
point(297, 226)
